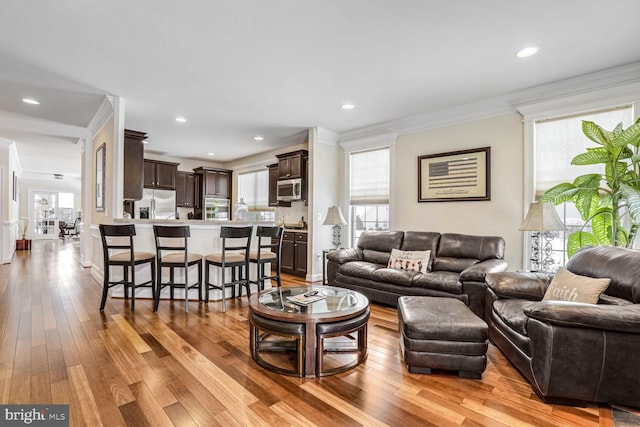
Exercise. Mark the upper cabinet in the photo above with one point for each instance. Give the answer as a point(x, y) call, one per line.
point(160, 175)
point(291, 165)
point(215, 182)
point(273, 184)
point(133, 164)
point(186, 189)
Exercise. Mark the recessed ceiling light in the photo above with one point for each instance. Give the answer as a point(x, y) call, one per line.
point(258, 138)
point(527, 51)
point(210, 154)
point(181, 119)
point(348, 106)
point(30, 101)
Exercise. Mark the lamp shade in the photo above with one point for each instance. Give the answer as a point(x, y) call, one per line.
point(334, 217)
point(542, 217)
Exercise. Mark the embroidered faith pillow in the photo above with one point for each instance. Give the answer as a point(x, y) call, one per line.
point(567, 286)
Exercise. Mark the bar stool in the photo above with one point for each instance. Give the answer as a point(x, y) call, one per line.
point(120, 238)
point(268, 252)
point(236, 242)
point(174, 240)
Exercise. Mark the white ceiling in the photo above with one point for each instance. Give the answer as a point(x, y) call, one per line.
point(236, 69)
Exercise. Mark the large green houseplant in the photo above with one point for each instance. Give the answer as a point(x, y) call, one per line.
point(610, 201)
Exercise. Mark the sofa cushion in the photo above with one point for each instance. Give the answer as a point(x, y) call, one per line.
point(420, 241)
point(475, 247)
point(439, 280)
point(617, 263)
point(452, 264)
point(511, 312)
point(409, 260)
point(376, 257)
point(360, 269)
point(394, 276)
point(382, 241)
point(567, 286)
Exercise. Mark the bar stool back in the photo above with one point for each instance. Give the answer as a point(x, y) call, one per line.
point(236, 242)
point(172, 241)
point(268, 252)
point(120, 238)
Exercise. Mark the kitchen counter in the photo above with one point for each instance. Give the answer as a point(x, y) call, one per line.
point(205, 239)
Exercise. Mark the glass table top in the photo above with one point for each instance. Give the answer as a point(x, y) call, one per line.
point(332, 299)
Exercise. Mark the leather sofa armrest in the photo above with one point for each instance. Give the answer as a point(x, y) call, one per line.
point(479, 271)
point(617, 318)
point(529, 286)
point(341, 256)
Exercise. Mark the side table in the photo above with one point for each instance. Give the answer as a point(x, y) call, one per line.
point(324, 265)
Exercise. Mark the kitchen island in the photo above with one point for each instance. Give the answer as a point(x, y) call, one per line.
point(205, 239)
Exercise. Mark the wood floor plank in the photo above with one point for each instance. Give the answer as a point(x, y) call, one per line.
point(118, 368)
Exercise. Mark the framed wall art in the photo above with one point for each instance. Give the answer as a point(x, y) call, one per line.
point(100, 176)
point(455, 176)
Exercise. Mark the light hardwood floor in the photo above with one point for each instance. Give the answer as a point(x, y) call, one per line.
point(171, 368)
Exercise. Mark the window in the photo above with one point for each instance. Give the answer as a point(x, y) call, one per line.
point(253, 188)
point(557, 141)
point(369, 191)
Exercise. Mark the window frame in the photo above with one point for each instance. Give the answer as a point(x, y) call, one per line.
point(570, 105)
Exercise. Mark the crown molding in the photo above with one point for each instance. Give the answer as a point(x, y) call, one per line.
point(326, 136)
point(370, 142)
point(612, 82)
point(5, 144)
point(609, 97)
point(103, 115)
point(22, 123)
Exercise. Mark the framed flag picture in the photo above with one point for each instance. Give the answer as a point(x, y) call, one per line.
point(455, 176)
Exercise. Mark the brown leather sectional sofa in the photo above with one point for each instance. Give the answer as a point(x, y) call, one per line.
point(457, 267)
point(571, 352)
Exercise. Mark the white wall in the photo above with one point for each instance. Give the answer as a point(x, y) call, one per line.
point(324, 192)
point(501, 216)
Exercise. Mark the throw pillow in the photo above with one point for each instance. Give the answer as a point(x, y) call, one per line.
point(567, 286)
point(409, 260)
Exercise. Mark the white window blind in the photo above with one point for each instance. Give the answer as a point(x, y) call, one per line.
point(369, 177)
point(253, 188)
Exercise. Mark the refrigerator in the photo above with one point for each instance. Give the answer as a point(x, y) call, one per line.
point(156, 204)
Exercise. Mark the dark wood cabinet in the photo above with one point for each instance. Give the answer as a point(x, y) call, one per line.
point(133, 164)
point(293, 258)
point(291, 165)
point(211, 182)
point(273, 184)
point(215, 182)
point(185, 189)
point(160, 175)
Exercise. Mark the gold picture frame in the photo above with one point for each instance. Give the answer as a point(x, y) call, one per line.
point(455, 176)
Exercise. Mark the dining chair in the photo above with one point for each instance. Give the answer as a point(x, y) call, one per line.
point(118, 251)
point(172, 252)
point(268, 252)
point(236, 242)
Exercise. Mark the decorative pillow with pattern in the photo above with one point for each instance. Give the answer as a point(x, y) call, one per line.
point(409, 260)
point(567, 286)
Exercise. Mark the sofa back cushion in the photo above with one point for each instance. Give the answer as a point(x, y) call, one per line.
point(420, 241)
point(474, 247)
point(376, 245)
point(621, 265)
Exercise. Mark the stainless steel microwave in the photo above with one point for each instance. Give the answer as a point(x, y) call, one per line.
point(290, 190)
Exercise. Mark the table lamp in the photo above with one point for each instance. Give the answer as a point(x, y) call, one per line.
point(542, 218)
point(335, 218)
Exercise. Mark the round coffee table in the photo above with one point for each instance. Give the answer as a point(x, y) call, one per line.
point(339, 312)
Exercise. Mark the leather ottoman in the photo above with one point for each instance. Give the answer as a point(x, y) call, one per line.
point(442, 333)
